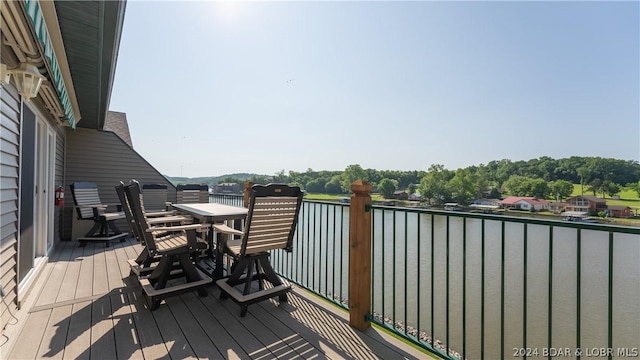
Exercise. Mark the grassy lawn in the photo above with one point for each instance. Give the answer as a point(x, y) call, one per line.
point(626, 193)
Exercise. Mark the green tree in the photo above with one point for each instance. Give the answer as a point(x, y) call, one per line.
point(463, 186)
point(280, 177)
point(537, 188)
point(350, 174)
point(635, 187)
point(387, 187)
point(494, 193)
point(516, 185)
point(611, 188)
point(481, 176)
point(334, 186)
point(583, 173)
point(316, 185)
point(433, 185)
point(561, 189)
point(411, 188)
point(504, 169)
point(595, 186)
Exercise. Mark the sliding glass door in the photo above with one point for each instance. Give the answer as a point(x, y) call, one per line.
point(37, 159)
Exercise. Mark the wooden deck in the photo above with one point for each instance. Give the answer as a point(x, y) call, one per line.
point(86, 306)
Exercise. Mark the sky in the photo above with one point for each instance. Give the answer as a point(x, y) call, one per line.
point(214, 88)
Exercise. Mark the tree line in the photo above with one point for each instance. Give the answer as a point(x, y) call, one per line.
point(542, 177)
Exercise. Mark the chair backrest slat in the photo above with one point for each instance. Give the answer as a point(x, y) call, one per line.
point(155, 196)
point(134, 196)
point(272, 218)
point(192, 193)
point(85, 194)
point(128, 213)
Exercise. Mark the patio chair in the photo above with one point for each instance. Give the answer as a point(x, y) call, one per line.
point(144, 263)
point(192, 193)
point(175, 246)
point(89, 207)
point(155, 197)
point(270, 224)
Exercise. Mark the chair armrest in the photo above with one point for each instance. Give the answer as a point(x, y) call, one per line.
point(160, 213)
point(227, 230)
point(92, 206)
point(168, 219)
point(199, 227)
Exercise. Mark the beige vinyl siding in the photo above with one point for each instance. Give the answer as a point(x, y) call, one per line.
point(9, 171)
point(105, 159)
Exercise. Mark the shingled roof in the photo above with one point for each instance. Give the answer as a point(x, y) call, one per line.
point(117, 122)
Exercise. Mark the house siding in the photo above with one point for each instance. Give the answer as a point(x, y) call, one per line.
point(105, 159)
point(9, 190)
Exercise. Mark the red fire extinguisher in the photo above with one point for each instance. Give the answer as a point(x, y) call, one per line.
point(59, 196)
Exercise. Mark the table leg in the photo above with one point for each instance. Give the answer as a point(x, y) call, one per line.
point(217, 271)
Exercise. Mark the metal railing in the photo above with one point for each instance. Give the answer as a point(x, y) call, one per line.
point(477, 286)
point(490, 286)
point(227, 199)
point(321, 245)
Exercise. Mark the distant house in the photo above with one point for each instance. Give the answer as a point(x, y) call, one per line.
point(226, 188)
point(620, 211)
point(586, 203)
point(415, 197)
point(400, 195)
point(488, 202)
point(452, 207)
point(557, 207)
point(524, 203)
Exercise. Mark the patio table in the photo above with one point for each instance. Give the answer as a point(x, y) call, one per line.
point(213, 213)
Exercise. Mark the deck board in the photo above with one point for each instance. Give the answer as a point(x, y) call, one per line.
point(70, 279)
point(84, 288)
point(89, 307)
point(124, 329)
point(179, 347)
point(197, 337)
point(78, 342)
point(29, 342)
point(56, 330)
point(102, 337)
point(100, 279)
point(220, 338)
point(153, 347)
point(55, 277)
point(267, 338)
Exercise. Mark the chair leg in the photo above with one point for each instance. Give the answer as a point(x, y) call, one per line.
point(160, 275)
point(94, 229)
point(269, 273)
point(191, 272)
point(113, 227)
point(259, 275)
point(247, 280)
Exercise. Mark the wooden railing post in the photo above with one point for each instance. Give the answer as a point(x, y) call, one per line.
point(360, 255)
point(247, 192)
